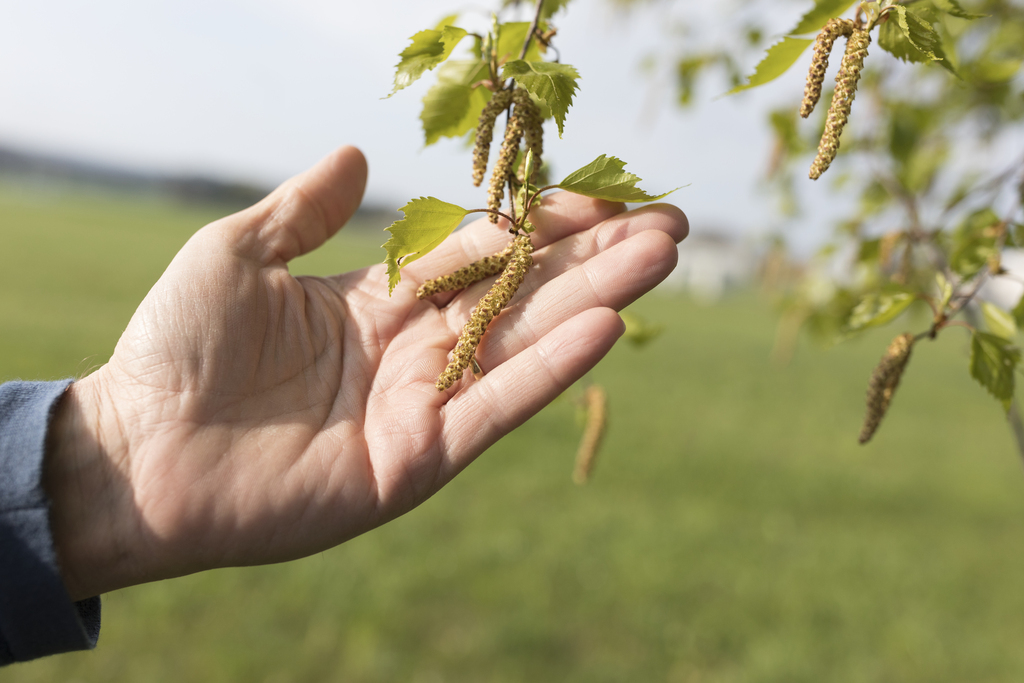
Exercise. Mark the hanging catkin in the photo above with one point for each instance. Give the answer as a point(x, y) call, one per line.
point(506, 160)
point(468, 275)
point(884, 380)
point(819, 64)
point(533, 131)
point(496, 298)
point(485, 132)
point(596, 402)
point(842, 100)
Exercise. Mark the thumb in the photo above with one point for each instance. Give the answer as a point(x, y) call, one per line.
point(303, 212)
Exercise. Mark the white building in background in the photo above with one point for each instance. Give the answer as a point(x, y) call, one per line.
point(711, 264)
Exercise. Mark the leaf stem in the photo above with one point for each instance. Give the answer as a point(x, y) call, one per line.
point(512, 201)
point(964, 299)
point(960, 323)
point(495, 212)
point(533, 197)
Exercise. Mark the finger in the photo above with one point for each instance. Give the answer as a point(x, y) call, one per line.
point(578, 249)
point(558, 216)
point(483, 412)
point(613, 279)
point(303, 212)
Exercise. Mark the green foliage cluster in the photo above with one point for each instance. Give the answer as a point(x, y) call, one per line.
point(933, 218)
point(934, 214)
point(453, 107)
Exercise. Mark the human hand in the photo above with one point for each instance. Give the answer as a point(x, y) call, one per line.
point(248, 416)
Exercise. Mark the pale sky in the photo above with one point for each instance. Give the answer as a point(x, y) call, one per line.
point(260, 89)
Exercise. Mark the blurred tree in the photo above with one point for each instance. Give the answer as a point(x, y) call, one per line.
point(933, 156)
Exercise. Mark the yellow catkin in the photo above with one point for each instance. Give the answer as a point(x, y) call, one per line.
point(485, 132)
point(496, 298)
point(533, 131)
point(503, 166)
point(884, 380)
point(842, 100)
point(596, 401)
point(819, 64)
point(464, 277)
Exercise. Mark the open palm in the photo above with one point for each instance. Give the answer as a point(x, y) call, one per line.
point(249, 416)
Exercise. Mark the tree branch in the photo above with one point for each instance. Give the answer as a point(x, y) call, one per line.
point(533, 28)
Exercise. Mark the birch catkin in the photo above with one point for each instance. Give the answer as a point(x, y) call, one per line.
point(819, 64)
point(496, 298)
point(533, 131)
point(503, 166)
point(468, 275)
point(485, 133)
point(884, 381)
point(842, 100)
point(596, 401)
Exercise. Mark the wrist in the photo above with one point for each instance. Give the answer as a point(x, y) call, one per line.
point(86, 480)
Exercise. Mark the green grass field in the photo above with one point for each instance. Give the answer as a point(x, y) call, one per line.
point(734, 530)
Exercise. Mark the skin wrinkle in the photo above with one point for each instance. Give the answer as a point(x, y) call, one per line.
point(451, 468)
point(121, 468)
point(370, 494)
point(397, 427)
point(293, 202)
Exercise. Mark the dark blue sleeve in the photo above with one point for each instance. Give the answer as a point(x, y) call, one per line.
point(37, 617)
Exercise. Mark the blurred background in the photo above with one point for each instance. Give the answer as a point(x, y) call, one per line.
point(733, 529)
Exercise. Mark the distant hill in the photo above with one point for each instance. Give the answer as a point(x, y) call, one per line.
point(52, 169)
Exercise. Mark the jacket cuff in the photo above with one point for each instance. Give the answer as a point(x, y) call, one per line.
point(37, 616)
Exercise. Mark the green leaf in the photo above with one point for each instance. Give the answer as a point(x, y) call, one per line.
point(918, 31)
point(869, 251)
point(945, 291)
point(777, 60)
point(606, 178)
point(428, 49)
point(878, 308)
point(427, 223)
point(911, 38)
point(953, 8)
point(511, 37)
point(993, 360)
point(999, 322)
point(817, 16)
point(639, 331)
point(874, 198)
point(451, 108)
point(552, 83)
point(550, 7)
point(974, 243)
point(922, 165)
point(447, 21)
